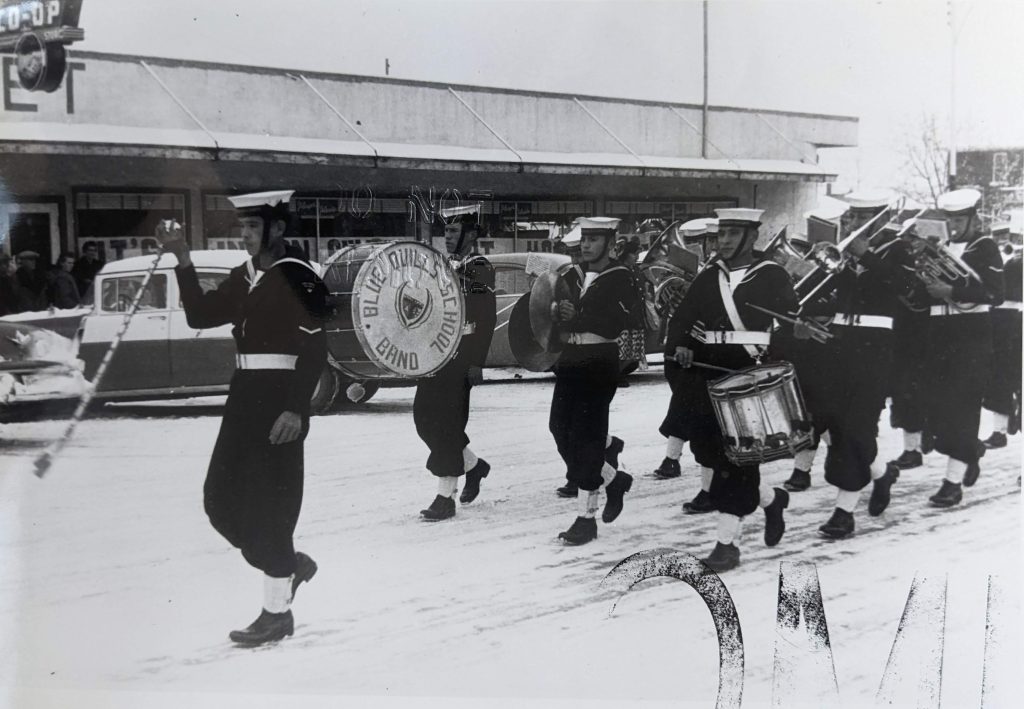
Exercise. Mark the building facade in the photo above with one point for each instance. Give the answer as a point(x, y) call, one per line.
point(127, 141)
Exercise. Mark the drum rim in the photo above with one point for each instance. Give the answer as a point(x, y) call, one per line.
point(359, 280)
point(787, 373)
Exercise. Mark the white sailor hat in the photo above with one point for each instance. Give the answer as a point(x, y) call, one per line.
point(868, 199)
point(694, 228)
point(260, 203)
point(603, 223)
point(572, 237)
point(959, 201)
point(711, 225)
point(831, 211)
point(740, 215)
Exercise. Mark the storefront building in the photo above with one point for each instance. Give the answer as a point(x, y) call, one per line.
point(127, 141)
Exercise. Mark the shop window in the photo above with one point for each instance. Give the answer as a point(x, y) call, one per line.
point(123, 224)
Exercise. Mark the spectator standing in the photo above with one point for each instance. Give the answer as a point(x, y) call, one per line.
point(86, 268)
point(62, 290)
point(8, 286)
point(30, 283)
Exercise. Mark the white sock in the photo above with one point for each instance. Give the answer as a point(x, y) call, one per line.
point(804, 460)
point(607, 473)
point(469, 459)
point(767, 493)
point(586, 503)
point(826, 439)
point(955, 470)
point(674, 448)
point(1000, 423)
point(608, 441)
point(912, 441)
point(277, 594)
point(846, 500)
point(728, 528)
point(447, 485)
point(877, 471)
point(705, 478)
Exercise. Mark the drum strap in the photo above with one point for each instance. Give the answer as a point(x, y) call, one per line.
point(734, 314)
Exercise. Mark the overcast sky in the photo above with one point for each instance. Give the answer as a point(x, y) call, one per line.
point(885, 61)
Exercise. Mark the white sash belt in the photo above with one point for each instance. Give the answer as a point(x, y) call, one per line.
point(1011, 305)
point(265, 361)
point(587, 338)
point(863, 320)
point(950, 310)
point(733, 337)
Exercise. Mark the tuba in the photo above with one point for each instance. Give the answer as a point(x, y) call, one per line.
point(667, 271)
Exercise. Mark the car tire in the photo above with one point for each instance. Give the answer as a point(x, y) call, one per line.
point(326, 392)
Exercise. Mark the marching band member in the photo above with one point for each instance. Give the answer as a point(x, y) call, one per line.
point(441, 405)
point(685, 386)
point(909, 412)
point(713, 326)
point(852, 368)
point(253, 490)
point(586, 378)
point(1003, 394)
point(573, 276)
point(960, 341)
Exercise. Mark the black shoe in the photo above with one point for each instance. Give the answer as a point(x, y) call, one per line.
point(799, 481)
point(927, 443)
point(614, 492)
point(699, 504)
point(839, 525)
point(268, 628)
point(473, 477)
point(723, 557)
point(972, 473)
point(583, 530)
point(774, 521)
point(440, 508)
point(882, 488)
point(1013, 425)
point(568, 490)
point(305, 569)
point(908, 460)
point(948, 495)
point(612, 452)
point(669, 468)
point(996, 440)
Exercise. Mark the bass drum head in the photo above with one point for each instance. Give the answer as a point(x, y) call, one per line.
point(400, 313)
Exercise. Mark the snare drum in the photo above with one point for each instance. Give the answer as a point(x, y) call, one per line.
point(761, 413)
point(399, 310)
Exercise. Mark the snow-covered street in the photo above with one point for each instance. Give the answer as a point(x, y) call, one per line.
point(113, 580)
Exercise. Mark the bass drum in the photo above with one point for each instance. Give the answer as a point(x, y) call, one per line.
point(399, 310)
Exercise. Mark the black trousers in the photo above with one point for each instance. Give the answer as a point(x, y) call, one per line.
point(856, 364)
point(734, 488)
point(909, 372)
point(586, 379)
point(253, 490)
point(440, 410)
point(1004, 381)
point(958, 366)
point(685, 387)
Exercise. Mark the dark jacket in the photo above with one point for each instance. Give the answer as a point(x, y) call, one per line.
point(62, 291)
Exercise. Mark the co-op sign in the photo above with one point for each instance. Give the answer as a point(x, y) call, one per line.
point(36, 32)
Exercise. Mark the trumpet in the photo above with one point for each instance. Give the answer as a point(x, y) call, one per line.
point(934, 264)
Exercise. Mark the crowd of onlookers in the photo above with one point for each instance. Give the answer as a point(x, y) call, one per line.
point(27, 285)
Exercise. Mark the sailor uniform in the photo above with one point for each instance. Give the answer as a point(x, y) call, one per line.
point(853, 368)
point(734, 489)
point(1004, 384)
point(587, 372)
point(253, 489)
point(441, 404)
point(959, 351)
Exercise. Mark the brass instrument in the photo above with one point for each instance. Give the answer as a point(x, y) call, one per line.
point(783, 252)
point(832, 259)
point(934, 264)
point(667, 271)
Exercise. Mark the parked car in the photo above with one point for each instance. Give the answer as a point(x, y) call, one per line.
point(39, 371)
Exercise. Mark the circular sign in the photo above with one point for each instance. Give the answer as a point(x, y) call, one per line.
point(40, 65)
point(408, 309)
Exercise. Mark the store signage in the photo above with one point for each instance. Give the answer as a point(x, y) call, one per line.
point(37, 32)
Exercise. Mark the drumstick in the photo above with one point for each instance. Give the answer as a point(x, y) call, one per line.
point(817, 331)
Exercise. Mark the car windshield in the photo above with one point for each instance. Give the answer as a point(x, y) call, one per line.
point(116, 294)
